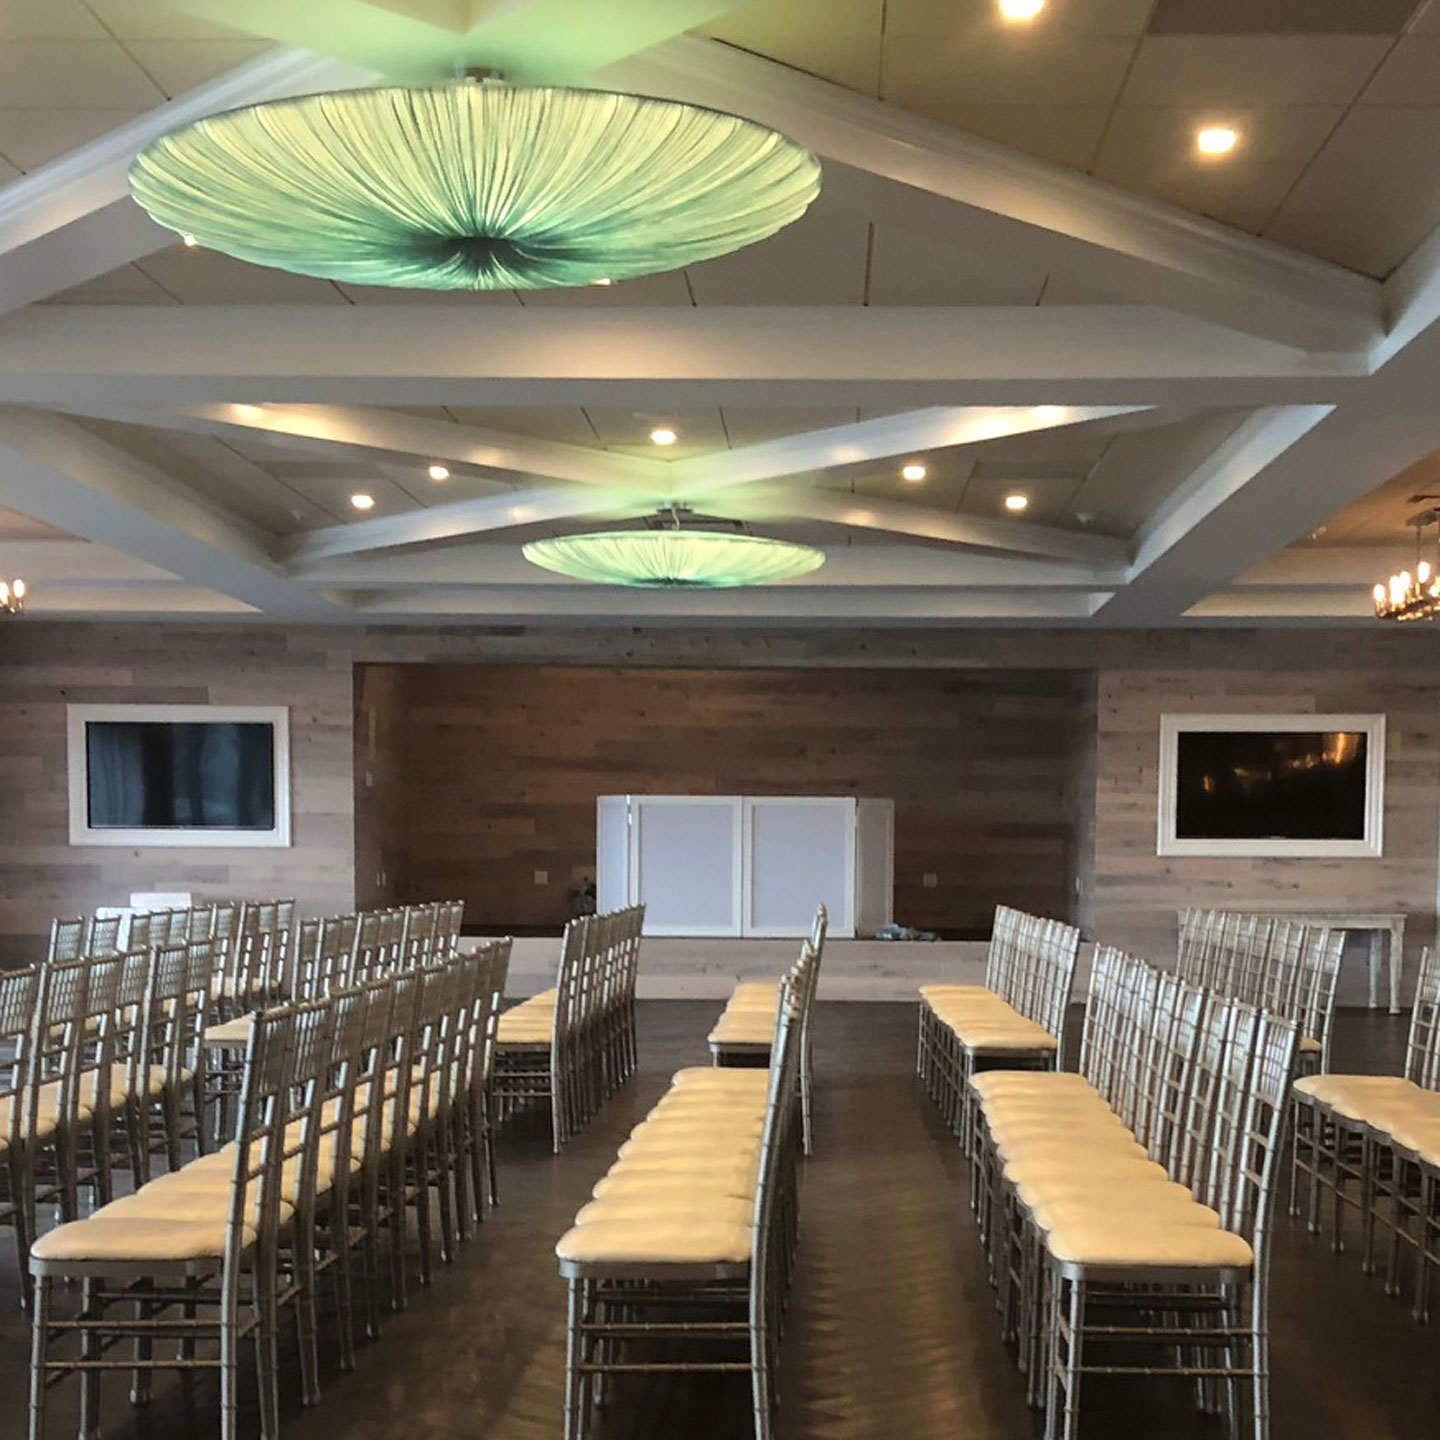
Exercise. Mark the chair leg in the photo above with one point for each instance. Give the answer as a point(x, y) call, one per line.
point(307, 1315)
point(39, 1338)
point(89, 1352)
point(574, 1382)
point(144, 1349)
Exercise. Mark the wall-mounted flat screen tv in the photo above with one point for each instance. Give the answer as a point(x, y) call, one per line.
point(1286, 785)
point(178, 775)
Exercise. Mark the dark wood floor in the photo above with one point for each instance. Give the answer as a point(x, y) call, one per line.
point(891, 1333)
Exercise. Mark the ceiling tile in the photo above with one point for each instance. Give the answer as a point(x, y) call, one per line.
point(205, 277)
point(1209, 73)
point(1279, 17)
point(699, 432)
point(400, 295)
point(145, 20)
point(837, 40)
point(48, 20)
point(1003, 68)
point(1048, 496)
point(181, 65)
point(969, 18)
point(1371, 195)
point(129, 285)
point(667, 288)
point(564, 424)
point(1409, 76)
point(819, 260)
point(33, 137)
point(1067, 135)
point(754, 425)
point(55, 74)
point(909, 269)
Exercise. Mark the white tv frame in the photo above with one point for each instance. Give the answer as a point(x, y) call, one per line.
point(77, 767)
point(1371, 846)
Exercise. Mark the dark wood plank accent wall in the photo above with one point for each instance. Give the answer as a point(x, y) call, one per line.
point(44, 667)
point(499, 768)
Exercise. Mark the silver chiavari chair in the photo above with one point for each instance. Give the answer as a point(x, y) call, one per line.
point(67, 940)
point(213, 1261)
point(102, 935)
point(19, 1000)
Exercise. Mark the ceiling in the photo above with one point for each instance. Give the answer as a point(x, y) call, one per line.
point(1210, 380)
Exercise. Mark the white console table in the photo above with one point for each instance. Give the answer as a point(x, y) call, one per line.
point(1384, 927)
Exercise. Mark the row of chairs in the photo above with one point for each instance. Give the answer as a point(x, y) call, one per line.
point(746, 1028)
point(1277, 963)
point(1015, 1019)
point(100, 1071)
point(1371, 1143)
point(1127, 1208)
point(353, 1110)
point(681, 1262)
point(573, 1046)
point(103, 935)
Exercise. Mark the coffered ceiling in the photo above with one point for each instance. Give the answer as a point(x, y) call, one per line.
point(1209, 380)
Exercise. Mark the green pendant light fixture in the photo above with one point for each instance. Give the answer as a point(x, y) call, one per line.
point(474, 185)
point(675, 554)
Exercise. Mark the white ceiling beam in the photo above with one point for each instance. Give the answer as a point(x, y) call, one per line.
point(388, 432)
point(1151, 252)
point(159, 357)
point(896, 565)
point(770, 604)
point(913, 432)
point(1010, 537)
point(55, 472)
point(449, 522)
point(526, 40)
point(1194, 531)
point(73, 219)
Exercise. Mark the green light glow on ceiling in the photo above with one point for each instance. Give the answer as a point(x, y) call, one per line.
point(474, 186)
point(674, 559)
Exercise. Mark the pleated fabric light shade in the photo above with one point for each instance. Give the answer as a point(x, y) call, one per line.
point(674, 559)
point(474, 186)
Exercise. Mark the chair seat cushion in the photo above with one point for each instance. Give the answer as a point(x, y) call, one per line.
point(723, 1175)
point(1354, 1092)
point(720, 1242)
point(134, 1237)
point(719, 1077)
point(1125, 1242)
point(672, 1207)
point(231, 1034)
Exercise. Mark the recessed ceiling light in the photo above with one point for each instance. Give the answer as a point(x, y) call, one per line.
point(190, 241)
point(1049, 414)
point(249, 412)
point(439, 472)
point(602, 282)
point(1216, 139)
point(913, 471)
point(1016, 502)
point(361, 501)
point(1017, 12)
point(663, 435)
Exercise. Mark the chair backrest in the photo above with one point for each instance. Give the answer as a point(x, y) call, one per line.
point(19, 998)
point(102, 935)
point(1422, 1043)
point(142, 932)
point(67, 939)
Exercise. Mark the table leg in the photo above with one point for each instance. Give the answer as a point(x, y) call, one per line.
point(1376, 945)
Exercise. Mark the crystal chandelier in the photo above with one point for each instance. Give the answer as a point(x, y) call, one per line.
point(1413, 594)
point(12, 597)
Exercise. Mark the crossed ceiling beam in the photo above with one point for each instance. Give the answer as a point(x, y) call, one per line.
point(55, 472)
point(577, 482)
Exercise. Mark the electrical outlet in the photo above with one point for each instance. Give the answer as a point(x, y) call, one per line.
point(542, 877)
point(929, 880)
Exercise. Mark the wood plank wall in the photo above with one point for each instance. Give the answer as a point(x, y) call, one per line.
point(499, 768)
point(42, 668)
point(1137, 892)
